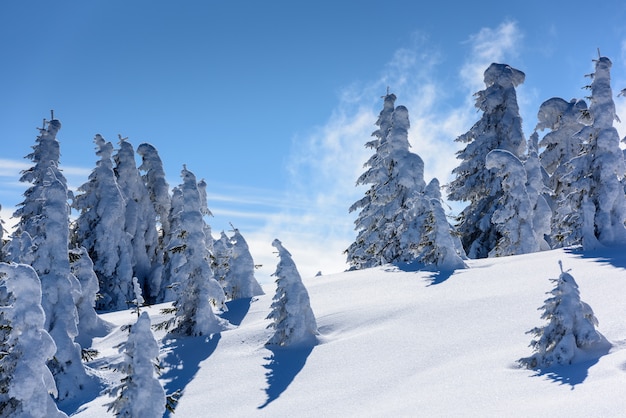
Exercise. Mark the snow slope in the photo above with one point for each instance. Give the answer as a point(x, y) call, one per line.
point(396, 343)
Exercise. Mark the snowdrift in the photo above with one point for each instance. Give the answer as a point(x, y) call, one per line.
point(400, 343)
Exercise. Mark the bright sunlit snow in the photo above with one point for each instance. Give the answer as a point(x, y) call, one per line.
point(396, 343)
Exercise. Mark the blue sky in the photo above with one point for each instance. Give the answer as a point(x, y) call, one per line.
point(271, 102)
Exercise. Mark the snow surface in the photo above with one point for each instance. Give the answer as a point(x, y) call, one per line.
point(400, 343)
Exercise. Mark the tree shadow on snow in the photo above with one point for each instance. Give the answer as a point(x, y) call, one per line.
point(614, 256)
point(575, 373)
point(237, 310)
point(283, 367)
point(436, 276)
point(183, 360)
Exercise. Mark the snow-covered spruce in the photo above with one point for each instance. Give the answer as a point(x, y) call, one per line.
point(188, 267)
point(292, 317)
point(90, 325)
point(240, 281)
point(396, 179)
point(513, 211)
point(42, 240)
point(139, 393)
point(500, 127)
point(437, 245)
point(26, 383)
point(593, 211)
point(560, 145)
point(570, 329)
point(100, 228)
point(159, 194)
point(140, 218)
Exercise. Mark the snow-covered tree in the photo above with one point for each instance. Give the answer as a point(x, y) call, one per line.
point(140, 217)
point(292, 317)
point(43, 242)
point(241, 282)
point(139, 393)
point(570, 329)
point(100, 228)
point(188, 266)
point(437, 244)
point(560, 146)
point(396, 178)
point(513, 214)
point(500, 127)
point(539, 194)
point(594, 210)
point(220, 260)
point(90, 325)
point(26, 383)
point(159, 193)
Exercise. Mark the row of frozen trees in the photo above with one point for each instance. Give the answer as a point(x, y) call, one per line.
point(132, 241)
point(564, 189)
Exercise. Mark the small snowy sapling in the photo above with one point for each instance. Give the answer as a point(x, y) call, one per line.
point(570, 330)
point(292, 318)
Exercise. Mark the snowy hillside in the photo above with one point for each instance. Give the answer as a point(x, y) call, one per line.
point(395, 343)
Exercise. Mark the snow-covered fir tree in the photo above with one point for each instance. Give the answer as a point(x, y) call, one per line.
point(188, 266)
point(90, 325)
point(220, 260)
point(139, 393)
point(512, 215)
point(560, 145)
point(437, 244)
point(500, 127)
point(159, 193)
point(594, 210)
point(26, 383)
point(292, 318)
point(42, 240)
point(241, 282)
point(101, 229)
point(570, 329)
point(140, 217)
point(538, 193)
point(396, 179)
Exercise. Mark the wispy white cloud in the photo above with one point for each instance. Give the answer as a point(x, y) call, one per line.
point(325, 163)
point(487, 46)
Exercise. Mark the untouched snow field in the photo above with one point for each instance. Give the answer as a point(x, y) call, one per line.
point(396, 343)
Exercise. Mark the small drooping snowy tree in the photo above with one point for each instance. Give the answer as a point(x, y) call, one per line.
point(188, 266)
point(90, 325)
point(512, 214)
point(436, 242)
point(396, 178)
point(42, 240)
point(500, 127)
point(26, 383)
point(240, 280)
point(570, 329)
point(139, 393)
point(594, 210)
point(292, 318)
point(140, 217)
point(100, 228)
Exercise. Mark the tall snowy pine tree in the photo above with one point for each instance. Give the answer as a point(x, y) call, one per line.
point(594, 210)
point(100, 228)
point(499, 128)
point(188, 267)
point(396, 179)
point(41, 239)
